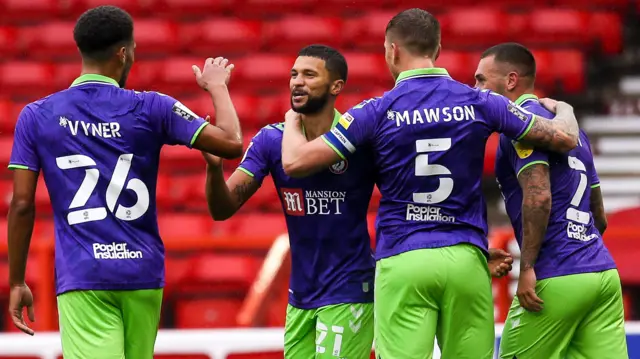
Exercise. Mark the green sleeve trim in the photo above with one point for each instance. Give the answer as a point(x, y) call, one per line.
point(595, 185)
point(195, 135)
point(17, 167)
point(246, 171)
point(333, 148)
point(528, 127)
point(531, 164)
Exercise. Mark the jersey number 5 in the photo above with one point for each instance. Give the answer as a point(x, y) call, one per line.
point(423, 168)
point(114, 189)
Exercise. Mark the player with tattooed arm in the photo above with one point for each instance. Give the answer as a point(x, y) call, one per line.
point(330, 312)
point(569, 297)
point(428, 135)
point(98, 147)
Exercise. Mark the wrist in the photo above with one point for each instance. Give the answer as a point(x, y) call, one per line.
point(16, 284)
point(216, 89)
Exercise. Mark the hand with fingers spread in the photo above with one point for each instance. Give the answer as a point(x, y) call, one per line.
point(19, 298)
point(215, 72)
point(526, 291)
point(500, 262)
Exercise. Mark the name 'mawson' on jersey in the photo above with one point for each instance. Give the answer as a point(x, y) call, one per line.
point(428, 134)
point(326, 216)
point(98, 147)
point(572, 243)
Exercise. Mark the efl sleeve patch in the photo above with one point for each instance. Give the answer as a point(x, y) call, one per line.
point(183, 111)
point(345, 120)
point(518, 111)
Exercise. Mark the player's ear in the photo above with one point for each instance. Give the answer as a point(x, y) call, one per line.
point(435, 57)
point(512, 81)
point(336, 87)
point(122, 55)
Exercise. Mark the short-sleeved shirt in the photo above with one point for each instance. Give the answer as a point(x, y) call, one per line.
point(326, 215)
point(428, 135)
point(572, 243)
point(98, 147)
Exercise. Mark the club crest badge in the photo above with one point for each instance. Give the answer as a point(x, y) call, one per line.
point(339, 168)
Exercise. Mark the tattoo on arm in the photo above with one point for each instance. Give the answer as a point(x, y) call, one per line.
point(596, 206)
point(243, 191)
point(536, 207)
point(559, 134)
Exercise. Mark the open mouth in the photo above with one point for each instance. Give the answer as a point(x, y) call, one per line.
point(298, 96)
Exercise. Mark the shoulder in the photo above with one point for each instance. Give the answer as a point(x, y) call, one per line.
point(536, 108)
point(269, 135)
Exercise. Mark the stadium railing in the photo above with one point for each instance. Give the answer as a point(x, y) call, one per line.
point(214, 344)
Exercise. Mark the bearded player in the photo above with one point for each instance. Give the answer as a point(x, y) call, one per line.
point(330, 312)
point(428, 135)
point(98, 146)
point(569, 297)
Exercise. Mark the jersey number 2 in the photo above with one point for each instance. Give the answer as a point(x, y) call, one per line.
point(573, 213)
point(114, 189)
point(423, 168)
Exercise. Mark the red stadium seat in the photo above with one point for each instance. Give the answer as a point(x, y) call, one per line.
point(264, 71)
point(173, 8)
point(270, 224)
point(65, 73)
point(7, 121)
point(155, 37)
point(163, 192)
point(545, 76)
point(26, 78)
point(620, 5)
point(271, 108)
point(6, 192)
point(181, 225)
point(367, 31)
point(207, 313)
point(366, 70)
point(458, 65)
point(177, 73)
point(245, 106)
point(374, 203)
point(294, 32)
point(572, 73)
point(371, 226)
point(557, 27)
point(221, 37)
point(43, 202)
point(491, 149)
point(238, 274)
point(606, 27)
point(347, 7)
point(144, 75)
point(345, 101)
point(21, 10)
point(134, 7)
point(6, 143)
point(264, 8)
point(51, 40)
point(180, 157)
point(461, 27)
point(8, 41)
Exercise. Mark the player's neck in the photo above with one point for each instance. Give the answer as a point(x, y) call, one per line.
point(416, 63)
point(515, 95)
point(318, 123)
point(94, 69)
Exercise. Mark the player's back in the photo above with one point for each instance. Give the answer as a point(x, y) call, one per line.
point(572, 243)
point(98, 147)
point(430, 154)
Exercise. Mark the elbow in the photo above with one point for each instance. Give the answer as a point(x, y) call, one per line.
point(22, 207)
point(220, 217)
point(234, 150)
point(571, 142)
point(601, 224)
point(293, 169)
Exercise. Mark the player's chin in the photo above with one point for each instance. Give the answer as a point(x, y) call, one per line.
point(298, 107)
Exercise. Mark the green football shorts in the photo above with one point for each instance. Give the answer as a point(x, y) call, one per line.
point(329, 332)
point(582, 318)
point(442, 293)
point(101, 324)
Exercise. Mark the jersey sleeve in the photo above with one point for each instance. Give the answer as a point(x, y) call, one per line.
point(24, 154)
point(504, 116)
point(256, 161)
point(520, 156)
point(355, 128)
point(179, 125)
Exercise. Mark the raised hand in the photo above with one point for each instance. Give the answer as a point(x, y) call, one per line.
point(215, 72)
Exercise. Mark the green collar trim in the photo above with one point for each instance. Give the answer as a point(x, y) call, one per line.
point(336, 118)
point(94, 78)
point(426, 72)
point(524, 98)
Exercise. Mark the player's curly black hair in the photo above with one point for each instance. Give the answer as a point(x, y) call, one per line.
point(100, 29)
point(515, 54)
point(417, 30)
point(334, 61)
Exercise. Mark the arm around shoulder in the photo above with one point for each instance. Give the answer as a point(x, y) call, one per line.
point(559, 134)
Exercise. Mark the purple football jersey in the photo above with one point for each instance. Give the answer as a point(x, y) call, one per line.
point(326, 215)
point(98, 147)
point(428, 135)
point(572, 243)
